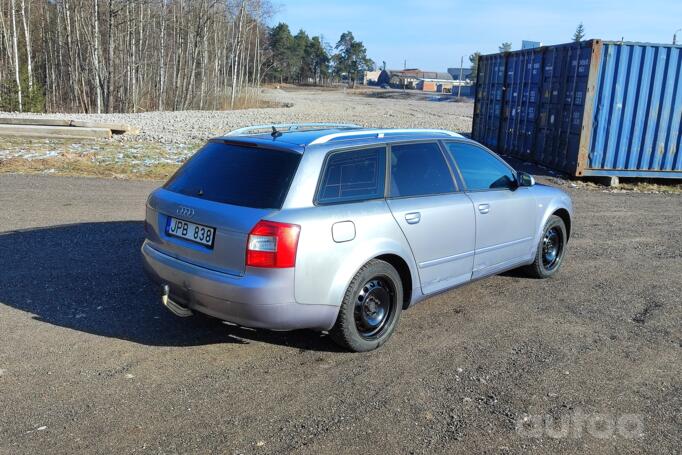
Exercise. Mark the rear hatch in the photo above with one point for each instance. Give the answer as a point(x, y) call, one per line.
point(219, 195)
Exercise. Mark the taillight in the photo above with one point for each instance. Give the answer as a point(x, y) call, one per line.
point(272, 244)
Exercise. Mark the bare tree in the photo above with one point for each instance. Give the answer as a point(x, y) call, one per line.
point(15, 47)
point(98, 78)
point(27, 39)
point(162, 62)
point(132, 55)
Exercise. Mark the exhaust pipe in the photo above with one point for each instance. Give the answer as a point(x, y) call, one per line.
point(173, 307)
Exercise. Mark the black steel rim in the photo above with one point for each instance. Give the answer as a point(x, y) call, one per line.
point(374, 307)
point(552, 248)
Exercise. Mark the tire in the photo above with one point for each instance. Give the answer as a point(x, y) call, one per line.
point(554, 238)
point(370, 309)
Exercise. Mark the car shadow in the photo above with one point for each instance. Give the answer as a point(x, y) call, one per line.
point(89, 277)
point(518, 273)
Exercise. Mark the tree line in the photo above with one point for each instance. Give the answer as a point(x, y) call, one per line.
point(99, 56)
point(304, 60)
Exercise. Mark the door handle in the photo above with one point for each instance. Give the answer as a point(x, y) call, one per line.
point(413, 217)
point(484, 208)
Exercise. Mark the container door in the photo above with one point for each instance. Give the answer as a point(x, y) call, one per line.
point(521, 103)
point(562, 105)
point(489, 99)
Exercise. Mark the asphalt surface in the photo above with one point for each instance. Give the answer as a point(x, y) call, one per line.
point(91, 362)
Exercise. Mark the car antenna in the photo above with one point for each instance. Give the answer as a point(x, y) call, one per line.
point(275, 133)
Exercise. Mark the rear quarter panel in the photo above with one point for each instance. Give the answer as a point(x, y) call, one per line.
point(324, 268)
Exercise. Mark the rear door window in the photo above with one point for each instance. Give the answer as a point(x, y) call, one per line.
point(237, 175)
point(480, 169)
point(419, 170)
point(353, 175)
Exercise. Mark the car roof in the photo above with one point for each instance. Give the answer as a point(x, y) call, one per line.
point(300, 138)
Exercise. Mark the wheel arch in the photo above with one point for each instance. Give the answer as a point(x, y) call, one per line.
point(566, 218)
point(398, 263)
point(390, 252)
point(552, 202)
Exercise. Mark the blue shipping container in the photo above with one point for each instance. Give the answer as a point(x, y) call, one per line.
point(593, 108)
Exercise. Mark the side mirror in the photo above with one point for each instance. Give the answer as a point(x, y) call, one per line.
point(525, 179)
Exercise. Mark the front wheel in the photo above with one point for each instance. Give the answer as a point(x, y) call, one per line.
point(551, 249)
point(370, 309)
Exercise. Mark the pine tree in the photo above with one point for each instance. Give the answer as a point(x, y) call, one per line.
point(351, 58)
point(579, 33)
point(473, 58)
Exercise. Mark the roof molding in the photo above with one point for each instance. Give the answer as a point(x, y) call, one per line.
point(288, 127)
point(380, 133)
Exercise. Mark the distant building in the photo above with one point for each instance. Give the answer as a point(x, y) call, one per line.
point(406, 78)
point(371, 77)
point(466, 73)
point(530, 44)
point(436, 85)
point(415, 78)
point(427, 85)
point(463, 87)
point(464, 91)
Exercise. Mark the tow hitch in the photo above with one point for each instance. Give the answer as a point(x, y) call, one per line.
point(173, 307)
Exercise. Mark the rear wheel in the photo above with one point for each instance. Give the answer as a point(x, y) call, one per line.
point(370, 309)
point(550, 252)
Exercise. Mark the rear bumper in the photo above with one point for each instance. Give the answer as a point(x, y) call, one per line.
point(264, 298)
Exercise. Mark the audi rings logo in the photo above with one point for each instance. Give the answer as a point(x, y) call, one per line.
point(185, 211)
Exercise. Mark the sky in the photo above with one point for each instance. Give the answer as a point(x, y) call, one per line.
point(434, 34)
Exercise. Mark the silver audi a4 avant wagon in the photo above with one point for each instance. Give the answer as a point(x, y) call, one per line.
point(339, 228)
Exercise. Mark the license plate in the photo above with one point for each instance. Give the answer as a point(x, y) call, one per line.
point(202, 235)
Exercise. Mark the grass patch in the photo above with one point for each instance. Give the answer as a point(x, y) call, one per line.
point(669, 186)
point(83, 167)
point(99, 158)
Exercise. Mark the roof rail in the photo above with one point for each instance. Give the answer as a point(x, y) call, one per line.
point(288, 127)
point(379, 133)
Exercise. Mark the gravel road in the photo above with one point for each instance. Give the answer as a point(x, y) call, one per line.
point(91, 363)
point(307, 105)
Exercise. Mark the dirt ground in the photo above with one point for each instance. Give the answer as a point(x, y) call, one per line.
point(90, 362)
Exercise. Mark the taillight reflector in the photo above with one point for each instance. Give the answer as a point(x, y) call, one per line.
point(272, 244)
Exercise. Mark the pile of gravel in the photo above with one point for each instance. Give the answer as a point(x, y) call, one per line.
point(307, 105)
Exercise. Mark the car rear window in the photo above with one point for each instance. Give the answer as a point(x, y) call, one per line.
point(237, 175)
